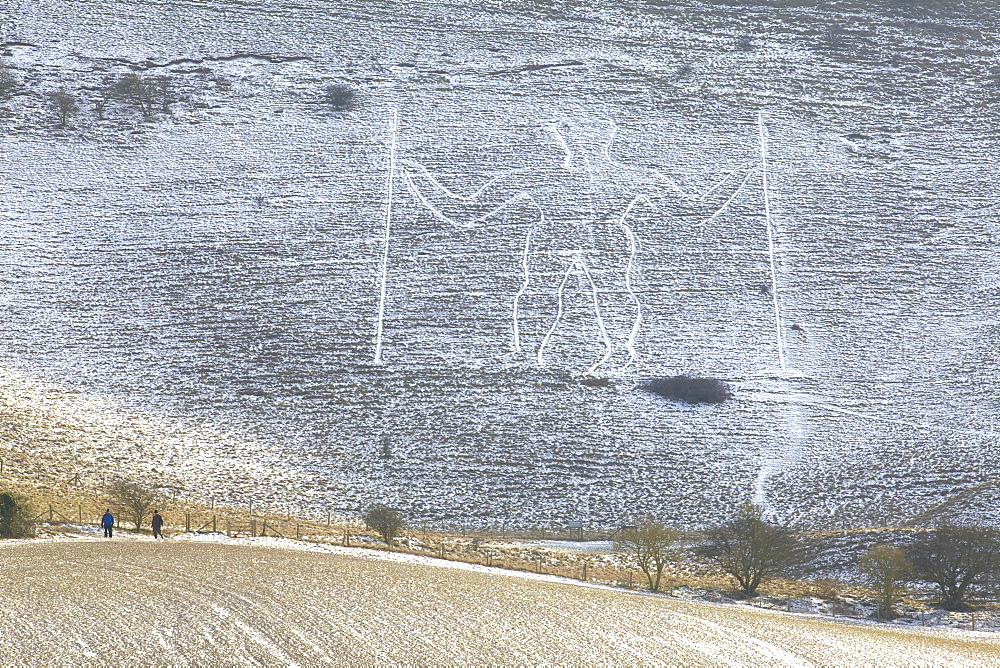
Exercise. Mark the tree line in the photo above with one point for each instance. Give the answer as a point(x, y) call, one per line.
point(958, 562)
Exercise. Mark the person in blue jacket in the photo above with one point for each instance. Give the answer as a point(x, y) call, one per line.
point(108, 522)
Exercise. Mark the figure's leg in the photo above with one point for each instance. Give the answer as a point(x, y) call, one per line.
point(620, 308)
point(535, 306)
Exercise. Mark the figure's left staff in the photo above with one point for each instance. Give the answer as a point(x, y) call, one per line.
point(385, 249)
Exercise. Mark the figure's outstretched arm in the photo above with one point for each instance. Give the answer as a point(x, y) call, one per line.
point(462, 211)
point(663, 193)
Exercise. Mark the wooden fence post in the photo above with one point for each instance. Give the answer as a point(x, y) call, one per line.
point(263, 531)
point(630, 579)
point(584, 570)
point(213, 524)
point(50, 513)
point(253, 528)
point(79, 513)
point(298, 534)
point(328, 518)
point(187, 522)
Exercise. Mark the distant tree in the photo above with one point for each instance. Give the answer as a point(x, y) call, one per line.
point(100, 102)
point(650, 544)
point(8, 82)
point(338, 96)
point(691, 390)
point(136, 90)
point(888, 569)
point(65, 105)
point(753, 550)
point(15, 516)
point(959, 560)
point(163, 92)
point(136, 500)
point(388, 522)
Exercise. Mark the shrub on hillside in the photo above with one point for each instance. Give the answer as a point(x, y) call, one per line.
point(691, 390)
point(15, 517)
point(8, 82)
point(64, 105)
point(338, 96)
point(137, 90)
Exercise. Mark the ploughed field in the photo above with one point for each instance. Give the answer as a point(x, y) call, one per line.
point(220, 269)
point(81, 602)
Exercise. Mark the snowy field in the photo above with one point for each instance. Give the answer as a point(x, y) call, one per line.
point(800, 201)
point(76, 602)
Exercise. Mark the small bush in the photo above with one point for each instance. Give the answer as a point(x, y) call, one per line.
point(15, 517)
point(691, 390)
point(338, 96)
point(388, 522)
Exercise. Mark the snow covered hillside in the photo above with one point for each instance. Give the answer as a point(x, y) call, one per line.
point(400, 302)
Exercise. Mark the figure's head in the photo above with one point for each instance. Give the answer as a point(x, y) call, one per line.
point(585, 140)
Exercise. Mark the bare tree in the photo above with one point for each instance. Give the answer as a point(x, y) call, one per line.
point(15, 516)
point(163, 91)
point(959, 560)
point(100, 102)
point(752, 550)
point(650, 544)
point(888, 569)
point(135, 89)
point(65, 105)
point(388, 522)
point(137, 501)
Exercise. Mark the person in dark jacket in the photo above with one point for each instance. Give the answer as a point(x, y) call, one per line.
point(108, 522)
point(157, 524)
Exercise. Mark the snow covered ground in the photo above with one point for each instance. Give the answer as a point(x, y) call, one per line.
point(213, 279)
point(95, 600)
